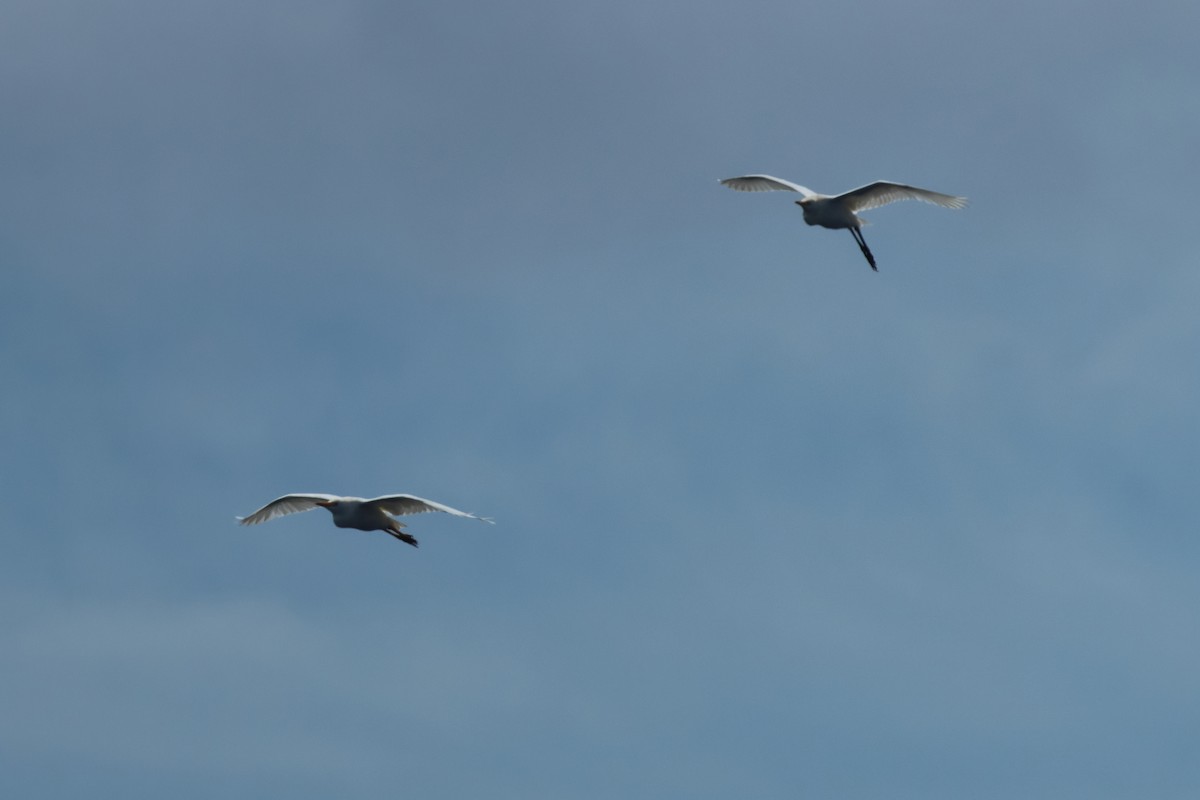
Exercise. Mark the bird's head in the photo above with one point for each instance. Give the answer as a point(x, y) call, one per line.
point(803, 203)
point(330, 504)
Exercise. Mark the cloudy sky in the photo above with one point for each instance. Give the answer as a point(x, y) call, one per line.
point(770, 525)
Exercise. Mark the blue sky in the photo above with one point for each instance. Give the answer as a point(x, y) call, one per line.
point(769, 524)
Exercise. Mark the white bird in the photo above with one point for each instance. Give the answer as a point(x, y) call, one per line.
point(377, 514)
point(840, 211)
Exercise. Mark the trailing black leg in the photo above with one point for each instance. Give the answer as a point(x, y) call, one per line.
point(862, 245)
point(402, 536)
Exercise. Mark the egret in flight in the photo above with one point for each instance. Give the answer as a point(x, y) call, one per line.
point(840, 211)
point(377, 514)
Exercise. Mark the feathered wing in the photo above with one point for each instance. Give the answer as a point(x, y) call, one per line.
point(401, 504)
point(766, 183)
point(288, 504)
point(880, 193)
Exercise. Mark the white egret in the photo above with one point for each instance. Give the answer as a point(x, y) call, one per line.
point(377, 514)
point(840, 211)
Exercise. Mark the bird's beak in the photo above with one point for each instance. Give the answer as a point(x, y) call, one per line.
point(324, 503)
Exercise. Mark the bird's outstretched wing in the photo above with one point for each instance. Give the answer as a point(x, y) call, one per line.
point(880, 193)
point(766, 183)
point(288, 504)
point(400, 504)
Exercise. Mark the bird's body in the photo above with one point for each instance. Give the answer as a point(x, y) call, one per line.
point(376, 514)
point(841, 211)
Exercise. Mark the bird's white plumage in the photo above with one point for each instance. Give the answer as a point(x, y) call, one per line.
point(766, 183)
point(400, 504)
point(880, 193)
point(288, 504)
point(376, 514)
point(873, 195)
point(841, 211)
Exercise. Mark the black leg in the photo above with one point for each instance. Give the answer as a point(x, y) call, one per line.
point(402, 536)
point(862, 245)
